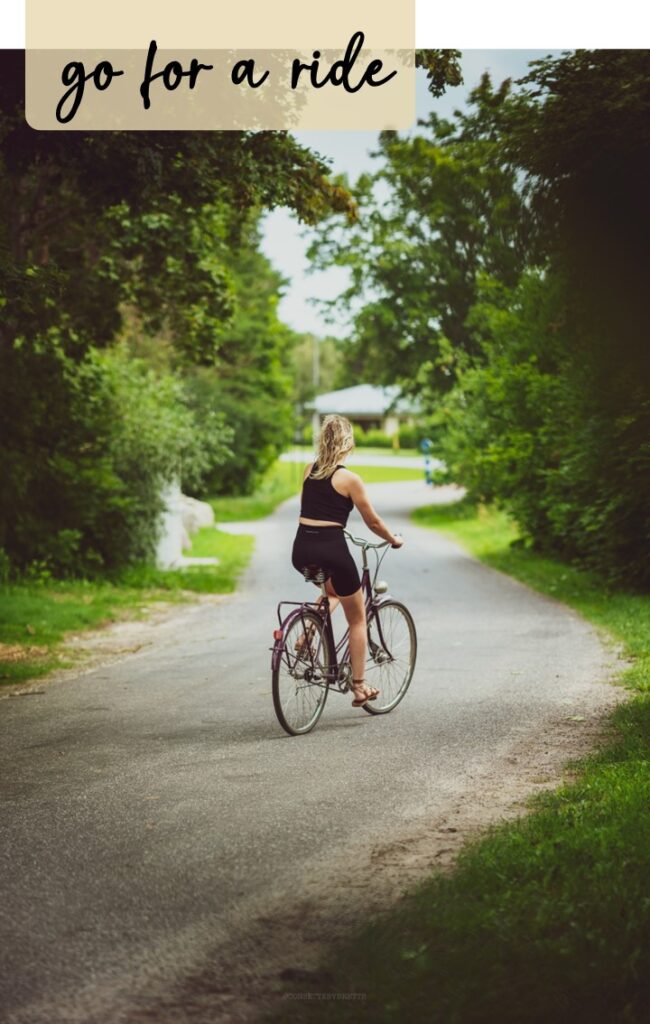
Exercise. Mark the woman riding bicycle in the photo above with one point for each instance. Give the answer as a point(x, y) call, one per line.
point(329, 492)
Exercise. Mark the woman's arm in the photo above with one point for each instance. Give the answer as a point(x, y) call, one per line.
point(374, 522)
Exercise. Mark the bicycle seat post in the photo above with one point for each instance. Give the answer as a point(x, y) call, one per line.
point(324, 602)
point(316, 574)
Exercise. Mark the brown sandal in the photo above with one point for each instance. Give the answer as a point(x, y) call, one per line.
point(358, 703)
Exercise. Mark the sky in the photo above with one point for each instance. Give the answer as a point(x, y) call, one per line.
point(285, 241)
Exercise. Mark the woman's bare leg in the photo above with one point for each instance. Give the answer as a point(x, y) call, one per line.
point(334, 603)
point(332, 595)
point(355, 613)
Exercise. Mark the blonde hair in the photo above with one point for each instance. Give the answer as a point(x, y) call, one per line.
point(336, 438)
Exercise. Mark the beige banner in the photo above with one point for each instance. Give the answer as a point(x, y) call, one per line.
point(214, 25)
point(202, 89)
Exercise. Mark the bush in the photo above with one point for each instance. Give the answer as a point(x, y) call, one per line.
point(409, 436)
point(156, 439)
point(553, 439)
point(259, 424)
point(372, 439)
point(307, 434)
point(86, 457)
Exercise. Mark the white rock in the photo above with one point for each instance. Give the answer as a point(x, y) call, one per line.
point(170, 543)
point(195, 514)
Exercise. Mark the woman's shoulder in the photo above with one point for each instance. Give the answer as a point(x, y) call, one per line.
point(346, 474)
point(308, 470)
point(344, 481)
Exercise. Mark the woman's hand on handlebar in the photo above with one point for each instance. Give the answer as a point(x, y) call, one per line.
point(398, 540)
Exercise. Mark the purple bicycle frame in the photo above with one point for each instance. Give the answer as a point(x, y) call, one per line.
point(339, 653)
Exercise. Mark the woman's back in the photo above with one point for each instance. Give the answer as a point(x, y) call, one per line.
point(321, 501)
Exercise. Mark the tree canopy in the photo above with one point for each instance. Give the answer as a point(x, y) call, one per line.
point(442, 208)
point(499, 269)
point(101, 231)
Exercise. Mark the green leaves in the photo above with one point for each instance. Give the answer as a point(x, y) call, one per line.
point(150, 235)
point(501, 260)
point(442, 67)
point(442, 209)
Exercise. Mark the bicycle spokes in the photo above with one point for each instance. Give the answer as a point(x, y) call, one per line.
point(391, 654)
point(300, 677)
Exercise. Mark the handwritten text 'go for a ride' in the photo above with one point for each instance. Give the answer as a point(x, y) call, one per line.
point(347, 72)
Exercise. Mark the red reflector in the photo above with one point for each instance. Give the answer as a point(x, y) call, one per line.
point(277, 634)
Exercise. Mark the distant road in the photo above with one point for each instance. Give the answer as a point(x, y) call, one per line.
point(361, 458)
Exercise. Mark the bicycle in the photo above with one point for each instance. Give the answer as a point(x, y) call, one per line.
point(307, 663)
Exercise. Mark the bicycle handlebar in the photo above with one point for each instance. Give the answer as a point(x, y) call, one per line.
point(361, 543)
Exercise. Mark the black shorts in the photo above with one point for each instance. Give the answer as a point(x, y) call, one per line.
point(325, 546)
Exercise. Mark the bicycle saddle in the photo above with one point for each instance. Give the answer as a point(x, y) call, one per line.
point(315, 574)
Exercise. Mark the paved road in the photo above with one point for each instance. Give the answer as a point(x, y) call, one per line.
point(147, 804)
point(363, 458)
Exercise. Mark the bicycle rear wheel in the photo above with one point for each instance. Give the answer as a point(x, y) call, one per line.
point(392, 650)
point(299, 679)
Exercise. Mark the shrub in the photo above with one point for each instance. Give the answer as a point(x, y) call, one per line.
point(84, 461)
point(259, 423)
point(551, 438)
point(372, 439)
point(409, 436)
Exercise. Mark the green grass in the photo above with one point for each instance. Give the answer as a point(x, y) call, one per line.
point(233, 552)
point(546, 919)
point(284, 479)
point(36, 616)
point(483, 532)
point(360, 450)
point(386, 474)
point(281, 481)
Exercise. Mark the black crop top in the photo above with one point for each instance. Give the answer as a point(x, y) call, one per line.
point(321, 501)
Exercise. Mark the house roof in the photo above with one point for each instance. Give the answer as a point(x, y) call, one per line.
point(362, 400)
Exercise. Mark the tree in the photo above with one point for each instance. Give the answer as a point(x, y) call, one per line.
point(502, 274)
point(453, 212)
point(101, 230)
point(92, 219)
point(555, 422)
point(328, 356)
point(93, 226)
point(251, 386)
point(442, 67)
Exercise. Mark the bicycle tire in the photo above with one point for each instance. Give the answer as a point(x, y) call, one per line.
point(299, 682)
point(390, 663)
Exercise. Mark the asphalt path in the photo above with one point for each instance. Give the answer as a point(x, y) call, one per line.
point(147, 805)
point(360, 457)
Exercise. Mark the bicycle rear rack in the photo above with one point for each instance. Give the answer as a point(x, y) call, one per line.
point(315, 605)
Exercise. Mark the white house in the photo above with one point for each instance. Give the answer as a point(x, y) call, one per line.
point(369, 406)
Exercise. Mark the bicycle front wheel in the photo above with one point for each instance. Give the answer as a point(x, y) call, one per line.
point(300, 674)
point(392, 650)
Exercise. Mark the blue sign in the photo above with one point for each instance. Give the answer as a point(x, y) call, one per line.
point(426, 444)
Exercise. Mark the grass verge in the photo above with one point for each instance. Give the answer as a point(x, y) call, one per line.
point(284, 479)
point(361, 450)
point(546, 918)
point(35, 616)
point(281, 481)
point(386, 474)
